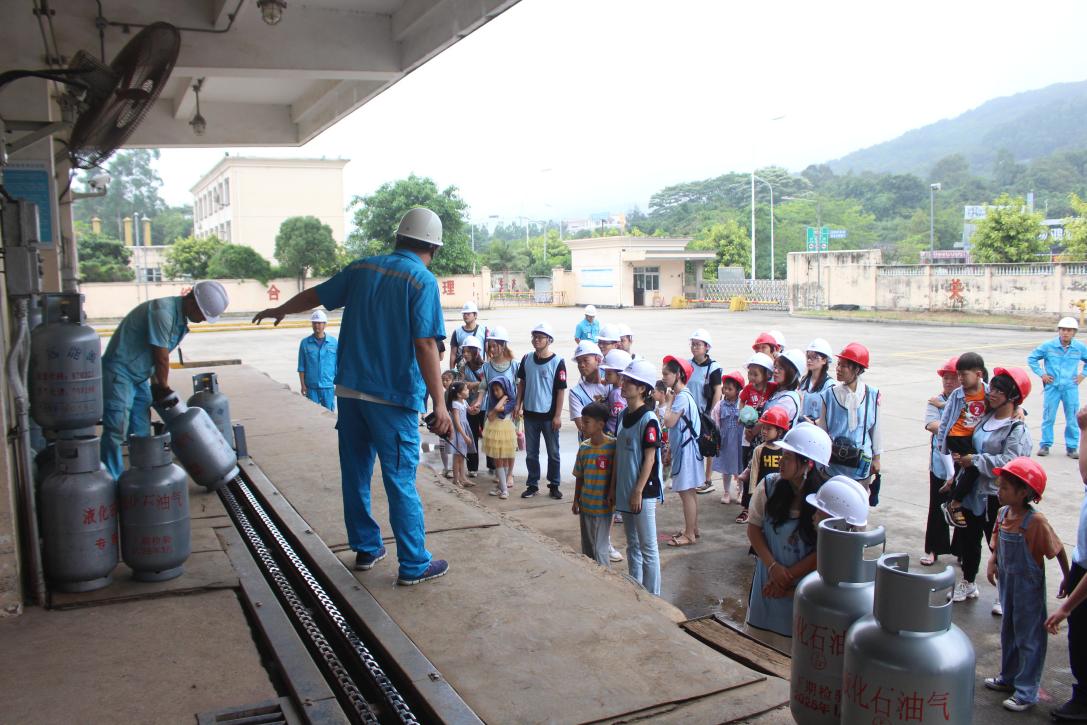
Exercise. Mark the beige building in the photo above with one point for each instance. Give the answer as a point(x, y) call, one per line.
point(632, 271)
point(245, 200)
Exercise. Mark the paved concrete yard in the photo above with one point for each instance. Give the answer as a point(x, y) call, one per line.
point(714, 575)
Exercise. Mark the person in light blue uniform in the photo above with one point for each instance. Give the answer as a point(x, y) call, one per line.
point(588, 328)
point(392, 299)
point(849, 413)
point(469, 312)
point(317, 363)
point(817, 360)
point(139, 352)
point(1057, 362)
point(704, 386)
point(541, 378)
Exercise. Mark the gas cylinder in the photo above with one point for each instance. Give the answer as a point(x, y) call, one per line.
point(199, 446)
point(154, 495)
point(906, 662)
point(826, 604)
point(79, 518)
point(206, 395)
point(65, 367)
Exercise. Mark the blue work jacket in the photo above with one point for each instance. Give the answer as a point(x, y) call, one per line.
point(1063, 363)
point(317, 361)
point(159, 322)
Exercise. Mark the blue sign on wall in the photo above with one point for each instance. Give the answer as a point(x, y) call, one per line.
point(29, 181)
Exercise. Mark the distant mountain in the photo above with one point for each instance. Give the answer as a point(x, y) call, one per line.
point(1029, 125)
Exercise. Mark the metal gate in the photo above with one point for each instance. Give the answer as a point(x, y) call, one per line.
point(761, 293)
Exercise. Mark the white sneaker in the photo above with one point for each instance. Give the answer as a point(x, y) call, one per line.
point(504, 495)
point(965, 590)
point(495, 491)
point(614, 555)
point(997, 610)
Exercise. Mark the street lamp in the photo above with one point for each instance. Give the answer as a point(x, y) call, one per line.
point(932, 189)
point(771, 188)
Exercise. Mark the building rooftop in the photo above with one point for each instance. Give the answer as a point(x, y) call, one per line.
point(229, 160)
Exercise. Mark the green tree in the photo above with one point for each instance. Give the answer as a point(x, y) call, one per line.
point(134, 188)
point(304, 245)
point(102, 258)
point(1075, 229)
point(171, 224)
point(237, 261)
point(189, 257)
point(1008, 233)
point(731, 242)
point(504, 255)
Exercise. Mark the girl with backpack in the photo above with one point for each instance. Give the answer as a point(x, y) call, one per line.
point(704, 383)
point(849, 413)
point(681, 416)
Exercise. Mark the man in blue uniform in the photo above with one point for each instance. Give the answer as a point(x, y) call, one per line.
point(317, 363)
point(139, 351)
point(1061, 357)
point(391, 298)
point(589, 327)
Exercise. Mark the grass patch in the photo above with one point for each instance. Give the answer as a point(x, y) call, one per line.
point(943, 317)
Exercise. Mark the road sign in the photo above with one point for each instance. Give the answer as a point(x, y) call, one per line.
point(818, 239)
point(838, 233)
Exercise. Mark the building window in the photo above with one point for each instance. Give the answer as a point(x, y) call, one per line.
point(226, 192)
point(647, 278)
point(226, 232)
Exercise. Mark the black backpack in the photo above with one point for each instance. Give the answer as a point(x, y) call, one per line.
point(709, 439)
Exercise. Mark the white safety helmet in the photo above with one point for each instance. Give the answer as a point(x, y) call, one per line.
point(701, 334)
point(498, 334)
point(796, 357)
point(779, 336)
point(1069, 322)
point(642, 371)
point(842, 497)
point(211, 298)
point(422, 225)
point(544, 329)
point(618, 360)
point(625, 331)
point(587, 347)
point(808, 440)
point(472, 341)
point(590, 310)
point(609, 333)
point(822, 347)
point(761, 359)
point(469, 306)
point(318, 316)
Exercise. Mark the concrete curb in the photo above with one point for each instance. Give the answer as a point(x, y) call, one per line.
point(924, 323)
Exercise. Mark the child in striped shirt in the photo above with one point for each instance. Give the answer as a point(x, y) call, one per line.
point(594, 492)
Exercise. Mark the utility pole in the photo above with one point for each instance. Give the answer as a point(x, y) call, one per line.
point(752, 226)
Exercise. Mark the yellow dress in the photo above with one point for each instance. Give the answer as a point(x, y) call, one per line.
point(499, 438)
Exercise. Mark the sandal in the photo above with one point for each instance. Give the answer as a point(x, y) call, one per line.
point(742, 518)
point(680, 540)
point(928, 559)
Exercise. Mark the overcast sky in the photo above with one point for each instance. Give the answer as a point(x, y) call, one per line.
point(560, 108)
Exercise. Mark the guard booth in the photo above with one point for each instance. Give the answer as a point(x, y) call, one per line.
point(632, 271)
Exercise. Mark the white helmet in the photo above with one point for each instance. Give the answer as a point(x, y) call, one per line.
point(761, 359)
point(808, 440)
point(643, 371)
point(422, 225)
point(701, 334)
point(625, 331)
point(211, 298)
point(609, 333)
point(586, 347)
point(544, 329)
point(472, 341)
point(469, 306)
point(796, 357)
point(318, 316)
point(590, 310)
point(779, 336)
point(822, 347)
point(842, 497)
point(617, 360)
point(1069, 322)
point(498, 334)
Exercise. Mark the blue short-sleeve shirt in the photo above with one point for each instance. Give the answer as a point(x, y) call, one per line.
point(160, 322)
point(389, 301)
point(317, 361)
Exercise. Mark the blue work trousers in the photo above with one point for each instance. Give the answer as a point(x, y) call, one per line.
point(1053, 398)
point(322, 396)
point(643, 556)
point(1022, 626)
point(390, 433)
point(534, 428)
point(126, 411)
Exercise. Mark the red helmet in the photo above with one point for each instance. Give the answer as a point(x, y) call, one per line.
point(765, 338)
point(737, 377)
point(949, 367)
point(1026, 470)
point(684, 364)
point(1020, 377)
point(855, 352)
point(776, 417)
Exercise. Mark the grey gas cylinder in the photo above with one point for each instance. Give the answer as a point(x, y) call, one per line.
point(156, 538)
point(65, 367)
point(826, 604)
point(79, 518)
point(199, 446)
point(906, 662)
point(206, 395)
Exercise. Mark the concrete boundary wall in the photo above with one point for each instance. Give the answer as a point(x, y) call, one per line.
point(819, 281)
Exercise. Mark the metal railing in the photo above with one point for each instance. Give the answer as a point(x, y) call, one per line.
point(762, 293)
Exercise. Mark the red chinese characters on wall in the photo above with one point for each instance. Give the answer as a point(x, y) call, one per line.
point(273, 293)
point(448, 287)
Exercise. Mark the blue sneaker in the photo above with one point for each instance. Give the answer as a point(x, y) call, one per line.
point(437, 568)
point(366, 562)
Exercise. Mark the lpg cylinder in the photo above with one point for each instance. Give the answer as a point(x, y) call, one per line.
point(154, 492)
point(79, 518)
point(827, 602)
point(197, 443)
point(206, 395)
point(906, 662)
point(65, 367)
